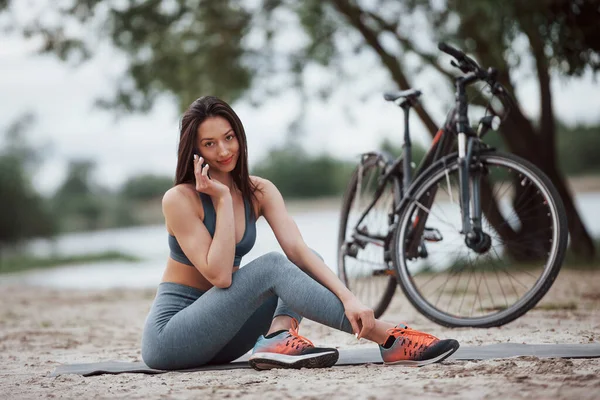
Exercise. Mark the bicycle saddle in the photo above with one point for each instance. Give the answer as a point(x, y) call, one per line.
point(408, 94)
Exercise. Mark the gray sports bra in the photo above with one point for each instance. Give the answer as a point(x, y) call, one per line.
point(210, 221)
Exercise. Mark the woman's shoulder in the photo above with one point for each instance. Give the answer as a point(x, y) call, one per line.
point(264, 187)
point(266, 192)
point(269, 198)
point(179, 194)
point(181, 201)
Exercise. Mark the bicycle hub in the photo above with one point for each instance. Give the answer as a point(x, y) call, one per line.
point(479, 242)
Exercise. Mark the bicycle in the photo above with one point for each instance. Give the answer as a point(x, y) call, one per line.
point(468, 211)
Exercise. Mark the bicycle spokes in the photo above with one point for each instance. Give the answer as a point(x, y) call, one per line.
point(365, 236)
point(495, 268)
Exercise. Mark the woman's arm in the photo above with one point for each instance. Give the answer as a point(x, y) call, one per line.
point(288, 235)
point(213, 257)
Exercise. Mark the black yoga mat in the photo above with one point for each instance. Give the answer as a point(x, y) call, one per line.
point(363, 355)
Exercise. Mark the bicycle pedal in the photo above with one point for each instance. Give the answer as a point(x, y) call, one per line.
point(351, 250)
point(432, 235)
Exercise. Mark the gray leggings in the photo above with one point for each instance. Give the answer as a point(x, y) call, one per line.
point(188, 328)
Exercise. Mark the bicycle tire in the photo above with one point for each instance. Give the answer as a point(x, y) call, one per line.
point(531, 175)
point(382, 301)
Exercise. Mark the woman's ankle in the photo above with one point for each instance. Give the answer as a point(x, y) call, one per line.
point(280, 323)
point(379, 333)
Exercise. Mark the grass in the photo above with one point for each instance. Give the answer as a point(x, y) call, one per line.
point(26, 262)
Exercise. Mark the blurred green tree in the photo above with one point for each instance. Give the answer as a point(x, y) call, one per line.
point(23, 212)
point(299, 175)
point(145, 187)
point(76, 201)
point(188, 47)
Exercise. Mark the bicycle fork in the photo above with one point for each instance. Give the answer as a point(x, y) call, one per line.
point(470, 171)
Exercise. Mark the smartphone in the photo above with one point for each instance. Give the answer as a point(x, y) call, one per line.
point(197, 153)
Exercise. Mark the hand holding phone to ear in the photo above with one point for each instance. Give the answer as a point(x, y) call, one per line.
point(204, 183)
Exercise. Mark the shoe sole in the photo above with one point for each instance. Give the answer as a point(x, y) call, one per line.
point(264, 361)
point(420, 363)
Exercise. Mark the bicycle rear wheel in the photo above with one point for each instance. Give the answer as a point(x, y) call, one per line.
point(362, 266)
point(458, 285)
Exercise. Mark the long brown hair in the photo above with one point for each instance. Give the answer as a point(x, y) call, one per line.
point(197, 112)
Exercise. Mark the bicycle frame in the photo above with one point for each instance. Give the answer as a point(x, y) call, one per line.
point(417, 240)
point(441, 145)
point(457, 125)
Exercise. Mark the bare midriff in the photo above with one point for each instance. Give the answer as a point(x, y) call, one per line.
point(183, 274)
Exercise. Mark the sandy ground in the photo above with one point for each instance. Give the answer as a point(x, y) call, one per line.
point(42, 328)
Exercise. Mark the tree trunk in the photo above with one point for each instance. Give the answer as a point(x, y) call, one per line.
point(522, 140)
point(527, 244)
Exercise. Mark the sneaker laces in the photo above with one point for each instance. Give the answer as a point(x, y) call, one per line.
point(296, 338)
point(419, 338)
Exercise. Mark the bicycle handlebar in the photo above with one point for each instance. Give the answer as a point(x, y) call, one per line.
point(466, 64)
point(446, 48)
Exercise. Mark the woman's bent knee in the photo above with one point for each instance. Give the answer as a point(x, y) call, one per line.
point(271, 262)
point(274, 258)
point(266, 267)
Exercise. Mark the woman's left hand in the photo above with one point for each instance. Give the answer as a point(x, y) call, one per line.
point(360, 316)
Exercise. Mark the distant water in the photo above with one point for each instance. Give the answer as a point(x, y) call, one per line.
point(318, 227)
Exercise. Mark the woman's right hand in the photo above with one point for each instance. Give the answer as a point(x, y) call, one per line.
point(360, 316)
point(204, 184)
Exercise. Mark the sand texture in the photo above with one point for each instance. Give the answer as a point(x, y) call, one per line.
point(41, 328)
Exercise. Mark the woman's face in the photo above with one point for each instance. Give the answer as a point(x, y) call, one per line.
point(218, 144)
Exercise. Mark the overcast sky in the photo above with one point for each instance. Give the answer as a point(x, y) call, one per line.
point(68, 125)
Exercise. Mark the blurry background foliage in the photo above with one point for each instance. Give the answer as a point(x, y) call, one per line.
point(184, 48)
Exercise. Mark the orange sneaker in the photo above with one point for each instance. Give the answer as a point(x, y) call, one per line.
point(406, 346)
point(287, 349)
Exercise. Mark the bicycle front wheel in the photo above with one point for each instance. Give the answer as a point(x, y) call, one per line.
point(458, 284)
point(362, 264)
